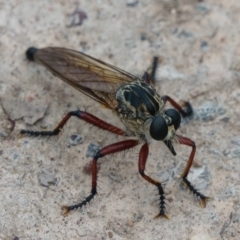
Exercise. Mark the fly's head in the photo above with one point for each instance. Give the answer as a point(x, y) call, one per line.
point(164, 125)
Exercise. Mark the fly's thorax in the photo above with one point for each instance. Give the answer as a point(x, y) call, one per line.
point(138, 103)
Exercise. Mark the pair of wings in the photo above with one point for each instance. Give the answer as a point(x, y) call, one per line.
point(94, 78)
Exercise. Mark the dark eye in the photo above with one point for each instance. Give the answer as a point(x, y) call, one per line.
point(158, 128)
point(175, 116)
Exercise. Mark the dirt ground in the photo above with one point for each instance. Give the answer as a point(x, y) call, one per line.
point(198, 45)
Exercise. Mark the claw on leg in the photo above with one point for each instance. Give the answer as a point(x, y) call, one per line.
point(203, 202)
point(202, 198)
point(162, 215)
point(66, 210)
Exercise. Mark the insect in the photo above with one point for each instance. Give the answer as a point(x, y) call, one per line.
point(133, 99)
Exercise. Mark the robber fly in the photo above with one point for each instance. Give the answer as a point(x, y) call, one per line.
point(133, 99)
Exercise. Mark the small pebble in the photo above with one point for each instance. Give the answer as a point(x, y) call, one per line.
point(110, 234)
point(166, 175)
point(236, 140)
point(208, 111)
point(46, 179)
point(75, 140)
point(185, 34)
point(114, 177)
point(92, 150)
point(204, 46)
point(77, 18)
point(232, 153)
point(131, 3)
point(203, 7)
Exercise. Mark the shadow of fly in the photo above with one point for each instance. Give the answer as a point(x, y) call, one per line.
point(134, 100)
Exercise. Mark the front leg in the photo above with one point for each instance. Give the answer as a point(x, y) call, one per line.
point(203, 199)
point(87, 117)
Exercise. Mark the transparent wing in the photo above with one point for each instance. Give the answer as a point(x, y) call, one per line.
point(96, 79)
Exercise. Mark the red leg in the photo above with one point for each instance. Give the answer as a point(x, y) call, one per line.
point(141, 166)
point(113, 148)
point(87, 117)
point(187, 105)
point(190, 143)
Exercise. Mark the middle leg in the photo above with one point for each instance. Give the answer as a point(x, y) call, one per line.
point(113, 148)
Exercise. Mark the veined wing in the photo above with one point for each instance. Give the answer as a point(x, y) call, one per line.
point(93, 77)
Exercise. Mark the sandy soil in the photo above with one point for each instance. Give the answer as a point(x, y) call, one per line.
point(198, 45)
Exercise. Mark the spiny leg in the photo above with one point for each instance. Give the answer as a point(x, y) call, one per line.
point(87, 117)
point(141, 166)
point(190, 143)
point(185, 113)
point(113, 148)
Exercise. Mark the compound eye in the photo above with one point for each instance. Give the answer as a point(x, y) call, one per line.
point(175, 116)
point(158, 128)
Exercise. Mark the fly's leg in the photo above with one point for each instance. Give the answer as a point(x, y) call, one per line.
point(186, 112)
point(141, 166)
point(154, 69)
point(87, 117)
point(113, 148)
point(149, 75)
point(188, 142)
